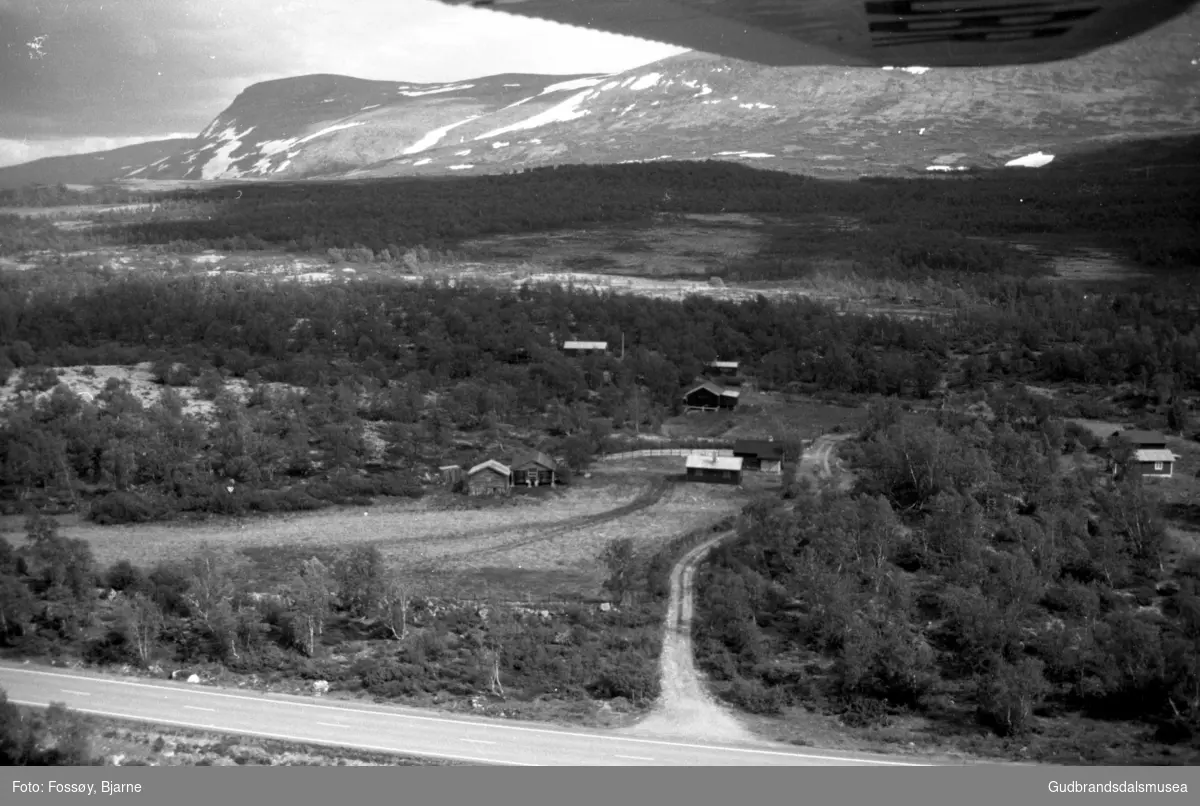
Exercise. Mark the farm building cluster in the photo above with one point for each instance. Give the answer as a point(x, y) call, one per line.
point(491, 477)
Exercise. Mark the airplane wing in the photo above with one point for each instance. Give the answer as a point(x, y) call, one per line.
point(929, 33)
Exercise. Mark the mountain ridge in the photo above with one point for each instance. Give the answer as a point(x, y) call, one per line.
point(822, 120)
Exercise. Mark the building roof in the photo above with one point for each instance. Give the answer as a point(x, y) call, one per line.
point(449, 467)
point(534, 457)
point(716, 389)
point(585, 345)
point(490, 464)
point(762, 448)
point(1143, 437)
point(1154, 455)
point(708, 461)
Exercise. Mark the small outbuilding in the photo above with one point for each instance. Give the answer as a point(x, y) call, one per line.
point(764, 455)
point(1150, 456)
point(709, 396)
point(535, 469)
point(713, 468)
point(451, 474)
point(489, 478)
point(585, 347)
point(724, 368)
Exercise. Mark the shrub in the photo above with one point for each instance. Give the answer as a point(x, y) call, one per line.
point(1008, 695)
point(634, 678)
point(124, 575)
point(124, 507)
point(753, 696)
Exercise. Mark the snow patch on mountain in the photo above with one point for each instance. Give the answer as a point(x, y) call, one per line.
point(1035, 160)
point(220, 165)
point(435, 91)
point(499, 144)
point(646, 81)
point(424, 161)
point(460, 167)
point(462, 153)
point(432, 137)
point(573, 84)
point(559, 113)
point(750, 155)
point(704, 90)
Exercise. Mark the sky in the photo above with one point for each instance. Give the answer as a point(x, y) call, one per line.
point(87, 75)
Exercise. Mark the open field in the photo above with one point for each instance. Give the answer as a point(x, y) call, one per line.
point(539, 546)
point(763, 414)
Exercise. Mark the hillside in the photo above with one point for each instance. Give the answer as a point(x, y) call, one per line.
point(696, 106)
point(828, 121)
point(91, 168)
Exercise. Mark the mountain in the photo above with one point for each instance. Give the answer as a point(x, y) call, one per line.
point(819, 120)
point(96, 167)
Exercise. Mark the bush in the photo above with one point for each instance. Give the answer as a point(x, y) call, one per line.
point(124, 507)
point(754, 697)
point(124, 575)
point(634, 678)
point(1008, 695)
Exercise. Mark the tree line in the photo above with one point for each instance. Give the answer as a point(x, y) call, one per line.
point(922, 222)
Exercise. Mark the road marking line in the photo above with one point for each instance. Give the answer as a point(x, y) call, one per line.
point(635, 758)
point(442, 720)
point(478, 741)
point(77, 693)
point(284, 736)
point(198, 708)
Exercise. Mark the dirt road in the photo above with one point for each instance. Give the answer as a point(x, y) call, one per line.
point(685, 708)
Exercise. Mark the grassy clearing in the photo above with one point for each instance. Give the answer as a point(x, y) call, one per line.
point(439, 527)
point(762, 414)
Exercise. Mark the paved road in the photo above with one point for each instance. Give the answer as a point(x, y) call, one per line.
point(382, 728)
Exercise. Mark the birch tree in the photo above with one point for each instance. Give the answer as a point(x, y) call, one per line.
point(312, 589)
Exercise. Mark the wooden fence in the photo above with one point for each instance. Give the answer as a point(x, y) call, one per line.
point(616, 457)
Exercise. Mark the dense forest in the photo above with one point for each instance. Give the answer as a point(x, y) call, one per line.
point(918, 223)
point(978, 572)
